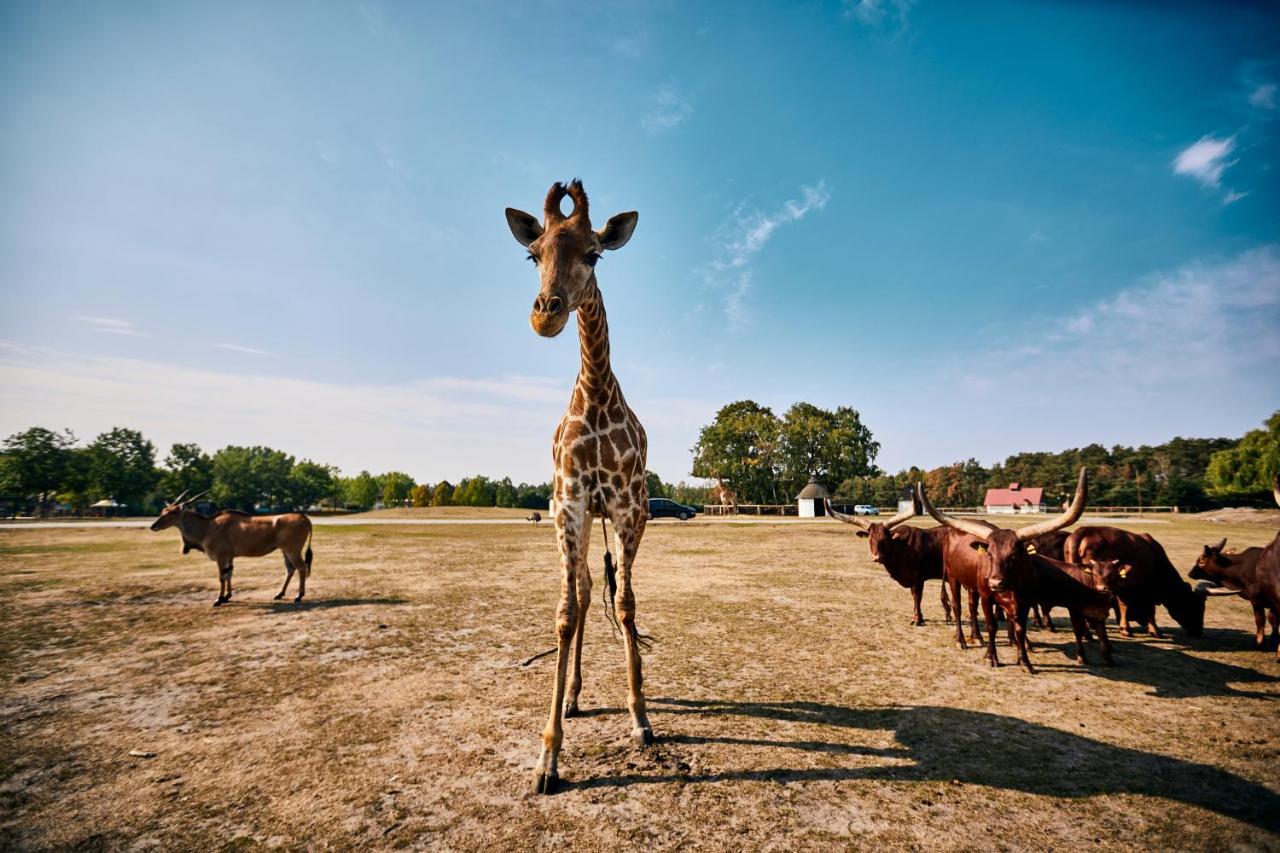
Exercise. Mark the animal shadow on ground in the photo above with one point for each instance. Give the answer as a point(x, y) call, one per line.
point(1170, 670)
point(327, 603)
point(1013, 755)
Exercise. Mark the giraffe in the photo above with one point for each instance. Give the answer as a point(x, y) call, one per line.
point(598, 450)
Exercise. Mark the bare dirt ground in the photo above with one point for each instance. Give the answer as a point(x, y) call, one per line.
point(793, 706)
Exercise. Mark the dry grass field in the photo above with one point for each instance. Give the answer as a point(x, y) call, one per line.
point(793, 706)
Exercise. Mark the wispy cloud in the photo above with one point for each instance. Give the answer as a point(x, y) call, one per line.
point(111, 326)
point(668, 108)
point(1232, 196)
point(244, 349)
point(371, 14)
point(876, 13)
point(1264, 96)
point(744, 237)
point(1206, 160)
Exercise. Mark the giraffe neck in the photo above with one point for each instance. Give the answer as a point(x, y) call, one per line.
point(595, 376)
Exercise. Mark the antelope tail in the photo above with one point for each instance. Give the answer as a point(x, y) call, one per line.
point(307, 557)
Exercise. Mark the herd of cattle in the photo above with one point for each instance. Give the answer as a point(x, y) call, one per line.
point(1090, 571)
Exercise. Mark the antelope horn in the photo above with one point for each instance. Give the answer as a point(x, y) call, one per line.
point(1275, 489)
point(973, 528)
point(179, 498)
point(840, 516)
point(551, 207)
point(197, 497)
point(1071, 516)
point(579, 196)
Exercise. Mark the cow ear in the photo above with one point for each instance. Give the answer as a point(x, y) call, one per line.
point(523, 227)
point(980, 547)
point(862, 534)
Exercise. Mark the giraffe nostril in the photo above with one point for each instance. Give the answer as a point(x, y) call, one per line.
point(553, 305)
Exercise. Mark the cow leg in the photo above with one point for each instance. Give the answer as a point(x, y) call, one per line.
point(1260, 625)
point(946, 603)
point(1037, 615)
point(1122, 618)
point(917, 589)
point(1275, 629)
point(288, 576)
point(989, 613)
point(1048, 619)
point(1153, 629)
point(1018, 616)
point(1100, 626)
point(1078, 627)
point(975, 635)
point(955, 594)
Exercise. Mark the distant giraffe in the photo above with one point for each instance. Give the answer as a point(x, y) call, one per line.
point(725, 496)
point(599, 451)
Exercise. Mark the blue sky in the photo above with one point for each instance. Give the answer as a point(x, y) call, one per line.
point(989, 227)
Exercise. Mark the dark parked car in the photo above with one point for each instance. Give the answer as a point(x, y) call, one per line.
point(666, 508)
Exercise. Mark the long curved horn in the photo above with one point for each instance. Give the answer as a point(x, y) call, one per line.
point(900, 518)
point(551, 207)
point(961, 524)
point(1071, 516)
point(840, 516)
point(1275, 489)
point(179, 498)
point(1221, 544)
point(197, 497)
point(1210, 588)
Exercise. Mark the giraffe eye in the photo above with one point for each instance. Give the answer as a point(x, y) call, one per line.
point(533, 257)
point(591, 258)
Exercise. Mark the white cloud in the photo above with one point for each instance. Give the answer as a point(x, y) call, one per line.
point(111, 326)
point(875, 13)
point(244, 349)
point(1205, 160)
point(1264, 96)
point(744, 238)
point(668, 108)
point(1232, 196)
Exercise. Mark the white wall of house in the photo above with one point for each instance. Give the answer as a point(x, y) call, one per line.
point(1006, 509)
point(808, 508)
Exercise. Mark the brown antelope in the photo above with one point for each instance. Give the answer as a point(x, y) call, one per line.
point(599, 453)
point(230, 533)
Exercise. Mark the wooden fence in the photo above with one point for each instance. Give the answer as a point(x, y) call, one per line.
point(792, 509)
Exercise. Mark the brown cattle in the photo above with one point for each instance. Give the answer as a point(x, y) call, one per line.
point(1136, 568)
point(231, 533)
point(910, 555)
point(996, 563)
point(1253, 574)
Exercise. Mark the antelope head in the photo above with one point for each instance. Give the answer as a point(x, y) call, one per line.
point(172, 513)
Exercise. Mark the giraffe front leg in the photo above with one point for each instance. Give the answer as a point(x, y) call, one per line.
point(628, 534)
point(569, 527)
point(584, 601)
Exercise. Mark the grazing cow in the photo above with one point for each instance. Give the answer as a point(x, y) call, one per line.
point(1136, 568)
point(996, 563)
point(1253, 574)
point(910, 555)
point(1088, 603)
point(231, 533)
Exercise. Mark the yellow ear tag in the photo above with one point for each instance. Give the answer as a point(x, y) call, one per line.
point(1087, 570)
point(982, 549)
point(1124, 573)
point(1031, 549)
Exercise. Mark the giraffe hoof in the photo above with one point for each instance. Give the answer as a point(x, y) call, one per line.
point(219, 602)
point(298, 600)
point(278, 597)
point(571, 710)
point(545, 783)
point(642, 737)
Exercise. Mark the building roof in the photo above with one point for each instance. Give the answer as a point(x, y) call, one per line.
point(1015, 495)
point(813, 491)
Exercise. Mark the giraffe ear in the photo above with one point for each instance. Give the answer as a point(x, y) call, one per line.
point(617, 231)
point(523, 226)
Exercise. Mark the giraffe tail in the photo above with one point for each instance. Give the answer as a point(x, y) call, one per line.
point(644, 641)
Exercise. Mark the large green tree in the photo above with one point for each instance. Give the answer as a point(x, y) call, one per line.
point(740, 448)
point(829, 445)
point(396, 487)
point(122, 465)
point(360, 491)
point(309, 483)
point(187, 468)
point(248, 477)
point(1247, 469)
point(35, 463)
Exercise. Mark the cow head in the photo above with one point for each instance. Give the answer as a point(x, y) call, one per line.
point(1187, 609)
point(1108, 573)
point(1006, 549)
point(884, 542)
point(1210, 563)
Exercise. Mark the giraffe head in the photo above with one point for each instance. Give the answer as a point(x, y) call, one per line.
point(565, 250)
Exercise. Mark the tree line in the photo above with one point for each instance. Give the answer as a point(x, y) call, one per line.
point(767, 459)
point(44, 468)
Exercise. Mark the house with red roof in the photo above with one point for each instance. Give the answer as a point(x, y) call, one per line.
point(1016, 498)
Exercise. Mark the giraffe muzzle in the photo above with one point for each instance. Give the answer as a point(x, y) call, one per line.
point(549, 316)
